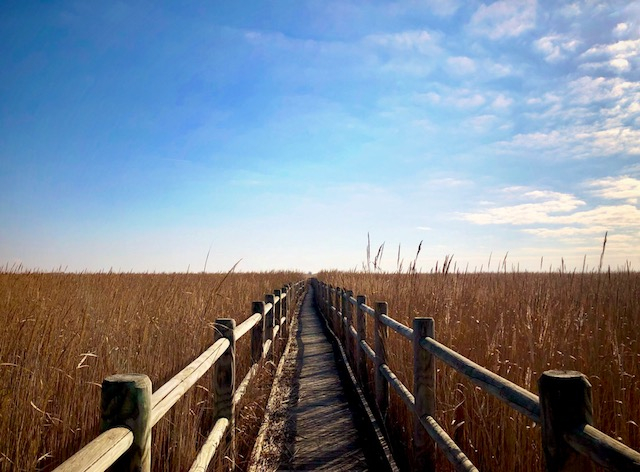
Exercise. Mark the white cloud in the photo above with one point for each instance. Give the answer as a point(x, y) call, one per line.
point(442, 8)
point(502, 102)
point(481, 123)
point(566, 231)
point(461, 65)
point(617, 57)
point(617, 188)
point(556, 47)
point(543, 204)
point(467, 100)
point(546, 207)
point(621, 29)
point(504, 18)
point(420, 41)
point(587, 118)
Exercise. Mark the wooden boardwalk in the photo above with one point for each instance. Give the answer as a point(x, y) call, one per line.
point(325, 434)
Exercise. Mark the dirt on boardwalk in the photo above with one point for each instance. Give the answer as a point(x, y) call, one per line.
point(276, 443)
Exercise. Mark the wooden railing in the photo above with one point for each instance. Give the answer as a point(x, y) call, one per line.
point(130, 410)
point(564, 407)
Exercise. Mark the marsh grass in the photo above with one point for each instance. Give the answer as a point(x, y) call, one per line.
point(63, 333)
point(517, 325)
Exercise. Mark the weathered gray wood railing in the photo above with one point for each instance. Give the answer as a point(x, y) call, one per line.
point(564, 407)
point(130, 410)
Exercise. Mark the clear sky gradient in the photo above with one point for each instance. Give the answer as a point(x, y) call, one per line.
point(137, 135)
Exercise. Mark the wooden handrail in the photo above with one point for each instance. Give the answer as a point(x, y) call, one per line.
point(167, 396)
point(100, 453)
point(516, 397)
point(210, 446)
point(246, 326)
point(398, 327)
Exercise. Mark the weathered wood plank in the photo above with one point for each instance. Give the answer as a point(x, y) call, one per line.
point(224, 383)
point(167, 395)
point(210, 446)
point(424, 392)
point(565, 404)
point(397, 326)
point(244, 327)
point(100, 453)
point(361, 328)
point(513, 395)
point(380, 347)
point(126, 401)
point(326, 437)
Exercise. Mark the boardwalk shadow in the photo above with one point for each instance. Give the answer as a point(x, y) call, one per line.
point(325, 430)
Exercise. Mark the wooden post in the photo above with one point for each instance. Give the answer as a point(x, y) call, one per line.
point(349, 340)
point(126, 401)
point(224, 386)
point(343, 311)
point(338, 313)
point(268, 323)
point(361, 327)
point(565, 404)
point(257, 334)
point(277, 315)
point(380, 346)
point(327, 301)
point(285, 311)
point(424, 392)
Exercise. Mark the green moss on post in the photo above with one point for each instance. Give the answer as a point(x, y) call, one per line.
point(126, 401)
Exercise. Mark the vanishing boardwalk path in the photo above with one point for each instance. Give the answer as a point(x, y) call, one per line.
point(324, 432)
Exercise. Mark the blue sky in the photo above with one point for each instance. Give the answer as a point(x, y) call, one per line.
point(137, 135)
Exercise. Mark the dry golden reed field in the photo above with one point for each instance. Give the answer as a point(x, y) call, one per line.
point(61, 334)
point(517, 325)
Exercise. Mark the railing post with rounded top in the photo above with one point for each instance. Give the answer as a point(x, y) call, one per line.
point(343, 310)
point(126, 401)
point(336, 318)
point(277, 316)
point(327, 301)
point(268, 323)
point(340, 314)
point(349, 340)
point(565, 404)
point(257, 334)
point(361, 328)
point(329, 305)
point(285, 311)
point(224, 382)
point(424, 392)
point(380, 346)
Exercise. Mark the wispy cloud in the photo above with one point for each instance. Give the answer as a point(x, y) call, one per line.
point(556, 47)
point(617, 188)
point(543, 204)
point(619, 57)
point(556, 215)
point(590, 117)
point(461, 65)
point(504, 18)
point(412, 41)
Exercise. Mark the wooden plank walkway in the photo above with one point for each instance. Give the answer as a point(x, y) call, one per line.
point(324, 431)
